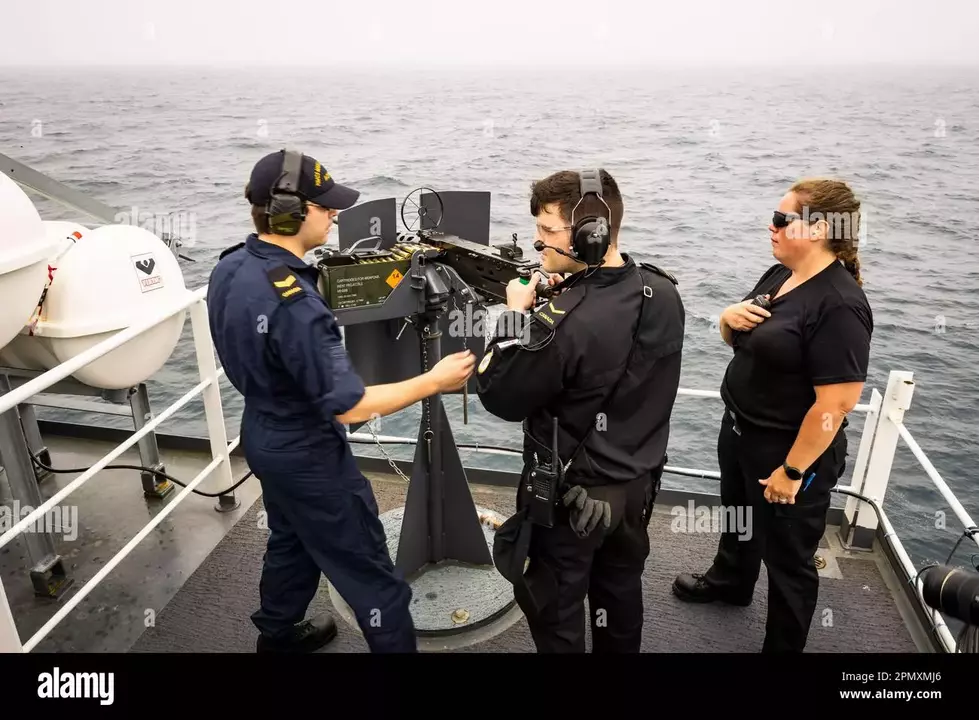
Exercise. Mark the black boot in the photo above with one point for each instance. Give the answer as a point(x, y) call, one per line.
point(694, 588)
point(307, 636)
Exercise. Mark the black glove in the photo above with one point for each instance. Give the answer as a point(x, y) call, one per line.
point(586, 512)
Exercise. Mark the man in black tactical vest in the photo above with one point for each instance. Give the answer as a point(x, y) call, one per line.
point(592, 375)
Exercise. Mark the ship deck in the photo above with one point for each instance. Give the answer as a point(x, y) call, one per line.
point(192, 583)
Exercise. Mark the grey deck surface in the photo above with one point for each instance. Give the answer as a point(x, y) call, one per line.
point(856, 611)
point(111, 510)
point(192, 583)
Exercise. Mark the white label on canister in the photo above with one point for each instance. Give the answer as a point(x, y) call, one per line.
point(147, 272)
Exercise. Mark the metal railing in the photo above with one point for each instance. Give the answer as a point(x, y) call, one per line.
point(208, 387)
point(878, 443)
point(884, 426)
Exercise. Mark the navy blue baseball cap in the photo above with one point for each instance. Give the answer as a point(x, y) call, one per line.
point(315, 183)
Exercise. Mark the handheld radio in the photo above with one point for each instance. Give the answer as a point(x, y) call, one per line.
point(542, 487)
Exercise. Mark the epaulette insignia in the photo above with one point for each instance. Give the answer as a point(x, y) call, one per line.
point(660, 271)
point(552, 313)
point(484, 363)
point(285, 282)
point(230, 250)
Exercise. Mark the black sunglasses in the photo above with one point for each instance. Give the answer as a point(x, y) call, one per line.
point(781, 219)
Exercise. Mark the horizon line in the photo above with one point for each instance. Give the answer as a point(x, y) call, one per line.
point(401, 65)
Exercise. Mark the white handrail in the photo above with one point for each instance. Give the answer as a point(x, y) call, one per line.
point(70, 367)
point(97, 467)
point(902, 555)
point(121, 555)
point(210, 374)
point(943, 488)
point(716, 395)
point(401, 440)
point(713, 394)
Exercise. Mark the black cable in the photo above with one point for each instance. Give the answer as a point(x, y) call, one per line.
point(967, 533)
point(159, 473)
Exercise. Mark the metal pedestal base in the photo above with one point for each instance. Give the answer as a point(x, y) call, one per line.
point(227, 503)
point(49, 578)
point(453, 605)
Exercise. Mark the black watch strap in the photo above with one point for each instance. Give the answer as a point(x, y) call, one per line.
point(791, 472)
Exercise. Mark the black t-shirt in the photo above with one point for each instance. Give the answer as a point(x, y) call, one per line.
point(818, 334)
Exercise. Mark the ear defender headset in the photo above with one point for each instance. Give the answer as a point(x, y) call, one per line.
point(591, 235)
point(286, 208)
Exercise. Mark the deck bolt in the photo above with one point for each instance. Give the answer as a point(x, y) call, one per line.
point(460, 616)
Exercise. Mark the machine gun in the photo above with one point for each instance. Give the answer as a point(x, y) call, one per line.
point(378, 283)
point(486, 272)
point(364, 278)
point(392, 279)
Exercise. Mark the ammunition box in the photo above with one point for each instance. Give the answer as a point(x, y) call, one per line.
point(346, 282)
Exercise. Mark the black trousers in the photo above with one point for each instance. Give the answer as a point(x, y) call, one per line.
point(606, 567)
point(785, 536)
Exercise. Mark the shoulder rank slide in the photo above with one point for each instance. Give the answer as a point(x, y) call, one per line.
point(660, 271)
point(230, 250)
point(284, 282)
point(551, 313)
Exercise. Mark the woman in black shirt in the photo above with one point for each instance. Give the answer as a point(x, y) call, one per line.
point(798, 369)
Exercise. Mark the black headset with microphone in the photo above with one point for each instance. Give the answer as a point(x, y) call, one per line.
point(591, 235)
point(286, 208)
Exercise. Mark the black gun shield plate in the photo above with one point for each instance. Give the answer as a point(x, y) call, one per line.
point(462, 533)
point(378, 357)
point(465, 214)
point(377, 217)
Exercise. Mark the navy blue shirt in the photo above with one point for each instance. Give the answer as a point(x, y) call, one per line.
point(278, 340)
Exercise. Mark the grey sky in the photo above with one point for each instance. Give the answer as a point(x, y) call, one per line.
point(502, 32)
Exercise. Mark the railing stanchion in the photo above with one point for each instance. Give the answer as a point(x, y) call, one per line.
point(154, 486)
point(9, 637)
point(896, 399)
point(860, 464)
point(47, 571)
point(213, 409)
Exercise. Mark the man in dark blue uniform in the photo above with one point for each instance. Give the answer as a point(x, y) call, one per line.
point(280, 346)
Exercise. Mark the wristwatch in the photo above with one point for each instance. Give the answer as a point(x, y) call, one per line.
point(791, 472)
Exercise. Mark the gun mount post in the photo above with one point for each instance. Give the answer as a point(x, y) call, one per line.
point(440, 521)
point(440, 540)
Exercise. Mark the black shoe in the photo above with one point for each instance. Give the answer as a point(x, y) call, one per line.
point(694, 588)
point(307, 636)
